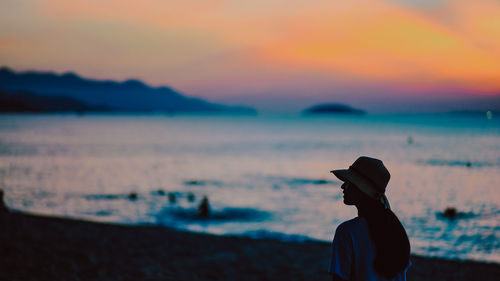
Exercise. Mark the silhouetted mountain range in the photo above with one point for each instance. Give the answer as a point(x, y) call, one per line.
point(28, 102)
point(130, 95)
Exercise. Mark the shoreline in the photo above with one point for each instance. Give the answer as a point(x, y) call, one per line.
point(38, 247)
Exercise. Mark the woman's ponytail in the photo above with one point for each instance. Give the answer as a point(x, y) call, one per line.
point(392, 246)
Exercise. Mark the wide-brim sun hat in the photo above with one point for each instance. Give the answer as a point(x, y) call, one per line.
point(369, 175)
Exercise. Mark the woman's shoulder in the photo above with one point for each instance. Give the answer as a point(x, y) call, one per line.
point(351, 224)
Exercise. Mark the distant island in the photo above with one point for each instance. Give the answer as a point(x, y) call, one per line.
point(332, 108)
point(33, 91)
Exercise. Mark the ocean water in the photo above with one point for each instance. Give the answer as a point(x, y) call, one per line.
point(264, 176)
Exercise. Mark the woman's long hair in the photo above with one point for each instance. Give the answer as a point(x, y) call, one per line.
point(392, 247)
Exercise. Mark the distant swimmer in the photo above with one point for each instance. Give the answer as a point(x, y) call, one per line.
point(204, 208)
point(132, 196)
point(172, 198)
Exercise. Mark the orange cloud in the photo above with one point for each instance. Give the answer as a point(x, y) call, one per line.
point(387, 42)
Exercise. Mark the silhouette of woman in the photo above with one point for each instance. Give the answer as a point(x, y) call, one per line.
point(374, 245)
point(3, 207)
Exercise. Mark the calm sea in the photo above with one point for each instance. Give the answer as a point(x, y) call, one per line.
point(264, 176)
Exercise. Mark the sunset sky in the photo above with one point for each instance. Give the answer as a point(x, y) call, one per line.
point(268, 54)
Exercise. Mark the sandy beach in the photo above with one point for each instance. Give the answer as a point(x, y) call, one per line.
point(49, 248)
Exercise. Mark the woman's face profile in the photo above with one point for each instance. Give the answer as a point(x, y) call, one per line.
point(351, 193)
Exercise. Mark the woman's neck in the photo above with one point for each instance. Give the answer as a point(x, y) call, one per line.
point(361, 211)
